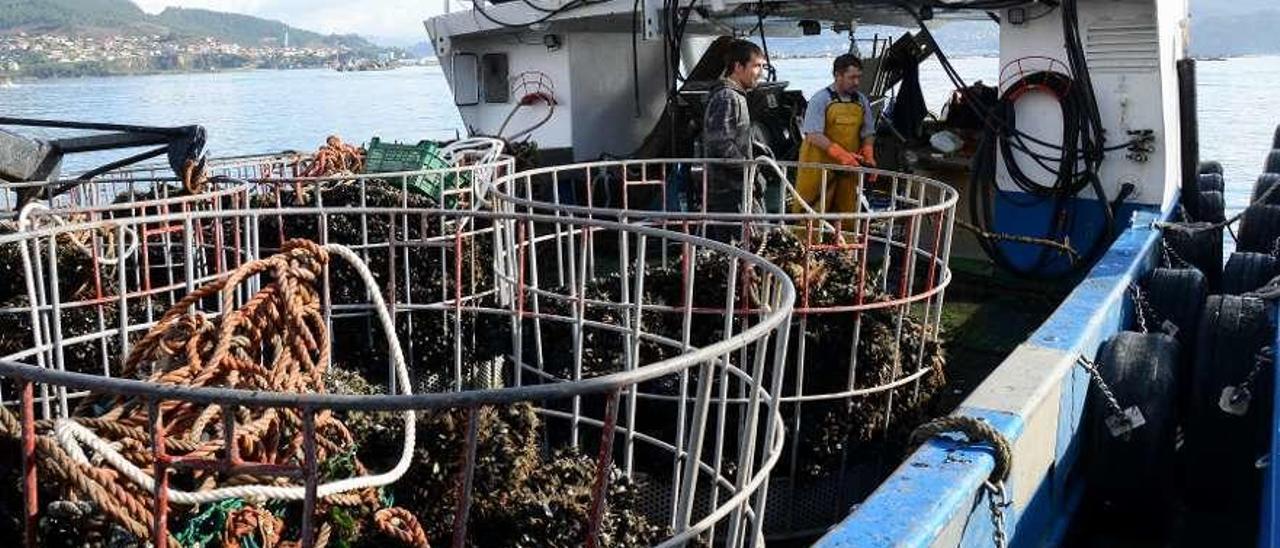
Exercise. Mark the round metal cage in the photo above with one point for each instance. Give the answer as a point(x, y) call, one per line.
point(866, 355)
point(147, 384)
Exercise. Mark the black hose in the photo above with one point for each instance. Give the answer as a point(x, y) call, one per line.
point(1082, 150)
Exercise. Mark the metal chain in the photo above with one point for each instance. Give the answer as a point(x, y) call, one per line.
point(1264, 358)
point(1140, 307)
point(1112, 402)
point(997, 502)
point(979, 431)
point(1144, 310)
point(1171, 255)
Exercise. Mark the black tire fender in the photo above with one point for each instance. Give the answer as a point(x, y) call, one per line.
point(1221, 447)
point(1213, 206)
point(1201, 249)
point(1247, 271)
point(1133, 474)
point(1177, 295)
point(1265, 183)
point(1210, 182)
point(1259, 228)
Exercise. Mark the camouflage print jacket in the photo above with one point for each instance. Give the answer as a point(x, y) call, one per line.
point(726, 126)
point(726, 133)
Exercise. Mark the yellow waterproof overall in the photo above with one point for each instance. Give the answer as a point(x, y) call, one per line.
point(843, 127)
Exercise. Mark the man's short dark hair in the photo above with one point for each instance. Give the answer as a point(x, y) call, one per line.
point(740, 52)
point(845, 61)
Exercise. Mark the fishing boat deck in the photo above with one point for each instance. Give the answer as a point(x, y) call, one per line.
point(986, 316)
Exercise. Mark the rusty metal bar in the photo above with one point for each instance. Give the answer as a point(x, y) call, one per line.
point(30, 497)
point(160, 528)
point(311, 473)
point(465, 475)
point(604, 461)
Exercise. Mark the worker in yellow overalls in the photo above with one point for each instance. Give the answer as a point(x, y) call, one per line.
point(837, 122)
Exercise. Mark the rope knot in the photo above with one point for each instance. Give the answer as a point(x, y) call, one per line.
point(977, 431)
point(401, 525)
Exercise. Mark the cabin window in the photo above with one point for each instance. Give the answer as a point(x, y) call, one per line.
point(466, 79)
point(497, 86)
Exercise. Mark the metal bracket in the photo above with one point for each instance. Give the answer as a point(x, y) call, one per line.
point(652, 19)
point(30, 159)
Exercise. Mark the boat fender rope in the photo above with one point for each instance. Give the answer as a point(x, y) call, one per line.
point(1193, 227)
point(977, 431)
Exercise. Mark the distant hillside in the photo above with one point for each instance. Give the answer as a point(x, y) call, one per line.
point(123, 17)
point(1215, 8)
point(1226, 35)
point(53, 15)
point(247, 30)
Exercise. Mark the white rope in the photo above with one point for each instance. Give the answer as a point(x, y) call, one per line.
point(782, 175)
point(69, 432)
point(482, 152)
point(25, 223)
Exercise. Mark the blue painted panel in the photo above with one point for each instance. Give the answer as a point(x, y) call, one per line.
point(923, 495)
point(1079, 324)
point(1269, 535)
point(1015, 213)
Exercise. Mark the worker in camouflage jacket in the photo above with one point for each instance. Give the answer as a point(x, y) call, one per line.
point(726, 133)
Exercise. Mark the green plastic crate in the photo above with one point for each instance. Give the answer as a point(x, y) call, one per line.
point(383, 157)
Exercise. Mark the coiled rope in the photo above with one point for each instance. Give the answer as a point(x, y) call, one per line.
point(187, 348)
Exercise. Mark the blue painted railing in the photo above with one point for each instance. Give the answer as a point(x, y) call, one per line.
point(1035, 398)
point(1269, 535)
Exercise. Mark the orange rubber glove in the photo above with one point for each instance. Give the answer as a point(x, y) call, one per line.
point(843, 156)
point(868, 153)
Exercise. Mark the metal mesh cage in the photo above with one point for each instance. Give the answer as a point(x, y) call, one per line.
point(866, 355)
point(261, 353)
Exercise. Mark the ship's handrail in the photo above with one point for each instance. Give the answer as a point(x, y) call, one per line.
point(1269, 534)
point(1035, 398)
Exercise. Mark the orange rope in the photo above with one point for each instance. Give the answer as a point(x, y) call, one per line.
point(399, 524)
point(275, 341)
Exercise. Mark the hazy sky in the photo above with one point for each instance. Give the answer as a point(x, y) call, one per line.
point(400, 20)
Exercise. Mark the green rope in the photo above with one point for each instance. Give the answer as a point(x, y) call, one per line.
point(208, 525)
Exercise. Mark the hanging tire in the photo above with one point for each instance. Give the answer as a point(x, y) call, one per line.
point(1210, 182)
point(1213, 207)
point(1220, 447)
point(1275, 141)
point(1132, 475)
point(1177, 295)
point(1259, 228)
point(1265, 183)
point(1210, 167)
point(1272, 164)
point(1247, 271)
point(1201, 249)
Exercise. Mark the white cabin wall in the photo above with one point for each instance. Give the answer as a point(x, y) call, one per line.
point(1132, 48)
point(1175, 32)
point(602, 82)
point(525, 52)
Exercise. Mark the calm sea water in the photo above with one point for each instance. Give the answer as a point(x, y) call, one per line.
point(265, 111)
